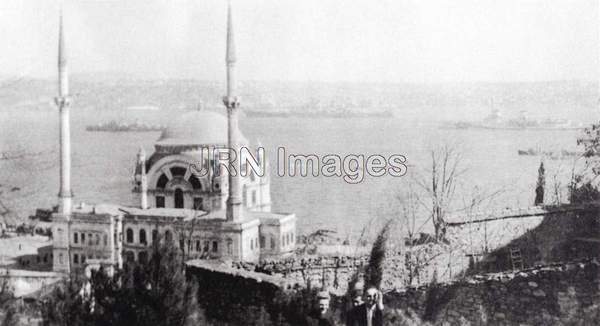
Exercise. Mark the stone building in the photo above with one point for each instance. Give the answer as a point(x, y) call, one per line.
point(212, 215)
point(173, 172)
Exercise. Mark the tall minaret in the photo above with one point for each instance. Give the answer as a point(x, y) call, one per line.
point(143, 179)
point(63, 102)
point(234, 202)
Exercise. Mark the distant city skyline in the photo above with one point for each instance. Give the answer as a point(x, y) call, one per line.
point(372, 41)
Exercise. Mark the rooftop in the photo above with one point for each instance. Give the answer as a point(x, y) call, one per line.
point(196, 128)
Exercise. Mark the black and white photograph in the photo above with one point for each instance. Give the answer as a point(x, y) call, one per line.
point(299, 163)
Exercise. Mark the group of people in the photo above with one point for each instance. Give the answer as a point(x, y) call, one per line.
point(366, 310)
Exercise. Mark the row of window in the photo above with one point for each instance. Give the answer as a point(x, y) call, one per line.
point(287, 239)
point(129, 238)
point(179, 200)
point(142, 238)
point(200, 247)
point(179, 172)
point(77, 258)
point(92, 239)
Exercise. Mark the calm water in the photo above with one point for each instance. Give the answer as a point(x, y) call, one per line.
point(103, 163)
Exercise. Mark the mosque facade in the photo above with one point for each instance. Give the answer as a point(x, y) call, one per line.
point(216, 215)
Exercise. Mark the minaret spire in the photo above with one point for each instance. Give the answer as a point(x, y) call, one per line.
point(230, 54)
point(234, 202)
point(63, 77)
point(62, 219)
point(63, 102)
point(143, 179)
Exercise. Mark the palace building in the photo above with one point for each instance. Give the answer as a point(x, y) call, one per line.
point(217, 215)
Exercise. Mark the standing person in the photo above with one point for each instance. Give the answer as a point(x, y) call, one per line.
point(323, 315)
point(370, 313)
point(356, 301)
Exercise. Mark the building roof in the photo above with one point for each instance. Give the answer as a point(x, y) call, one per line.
point(196, 128)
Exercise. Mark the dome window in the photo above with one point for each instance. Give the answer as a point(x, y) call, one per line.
point(178, 171)
point(195, 182)
point(179, 200)
point(162, 181)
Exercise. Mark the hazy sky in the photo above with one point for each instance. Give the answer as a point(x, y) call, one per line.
point(330, 40)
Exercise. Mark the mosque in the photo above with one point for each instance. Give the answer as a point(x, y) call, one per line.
point(222, 215)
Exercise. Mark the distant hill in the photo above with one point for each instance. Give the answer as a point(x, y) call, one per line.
point(556, 99)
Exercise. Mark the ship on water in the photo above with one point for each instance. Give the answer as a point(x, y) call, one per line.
point(115, 126)
point(129, 121)
point(495, 120)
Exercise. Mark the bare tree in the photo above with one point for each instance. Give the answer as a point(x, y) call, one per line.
point(420, 253)
point(440, 187)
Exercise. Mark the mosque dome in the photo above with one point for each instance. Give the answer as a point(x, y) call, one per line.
point(196, 128)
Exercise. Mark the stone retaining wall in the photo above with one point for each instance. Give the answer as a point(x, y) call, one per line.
point(567, 294)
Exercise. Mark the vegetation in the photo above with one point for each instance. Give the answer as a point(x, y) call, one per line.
point(374, 271)
point(440, 187)
point(584, 185)
point(156, 293)
point(539, 187)
point(7, 305)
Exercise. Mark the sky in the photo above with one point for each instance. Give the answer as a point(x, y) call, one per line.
point(420, 41)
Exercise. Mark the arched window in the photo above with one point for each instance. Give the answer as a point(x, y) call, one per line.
point(195, 182)
point(143, 257)
point(162, 181)
point(129, 235)
point(168, 235)
point(229, 246)
point(160, 201)
point(198, 203)
point(178, 171)
point(129, 256)
point(215, 246)
point(143, 236)
point(179, 198)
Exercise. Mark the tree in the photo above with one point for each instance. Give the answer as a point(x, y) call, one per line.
point(539, 187)
point(374, 271)
point(66, 305)
point(441, 187)
point(156, 293)
point(7, 304)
